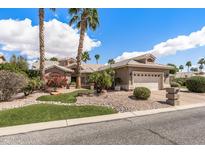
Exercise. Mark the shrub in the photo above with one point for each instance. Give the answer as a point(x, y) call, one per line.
point(33, 73)
point(10, 84)
point(141, 93)
point(102, 80)
point(10, 67)
point(181, 81)
point(33, 84)
point(57, 81)
point(174, 84)
point(196, 84)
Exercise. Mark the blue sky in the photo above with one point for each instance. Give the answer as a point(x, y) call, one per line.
point(128, 30)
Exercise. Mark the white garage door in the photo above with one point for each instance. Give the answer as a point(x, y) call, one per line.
point(147, 79)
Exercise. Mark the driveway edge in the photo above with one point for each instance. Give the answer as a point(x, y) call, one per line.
point(12, 130)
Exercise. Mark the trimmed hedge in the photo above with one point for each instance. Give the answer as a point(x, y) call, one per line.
point(141, 93)
point(196, 84)
point(181, 81)
point(174, 84)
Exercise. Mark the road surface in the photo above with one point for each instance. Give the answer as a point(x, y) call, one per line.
point(179, 127)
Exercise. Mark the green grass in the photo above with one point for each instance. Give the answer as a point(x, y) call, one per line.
point(49, 112)
point(63, 98)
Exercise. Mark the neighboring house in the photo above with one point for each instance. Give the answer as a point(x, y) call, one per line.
point(134, 72)
point(2, 59)
point(188, 74)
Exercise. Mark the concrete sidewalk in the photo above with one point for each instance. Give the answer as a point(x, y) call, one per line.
point(79, 121)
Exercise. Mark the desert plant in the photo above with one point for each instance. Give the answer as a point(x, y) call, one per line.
point(174, 84)
point(141, 93)
point(102, 80)
point(196, 84)
point(33, 84)
point(10, 84)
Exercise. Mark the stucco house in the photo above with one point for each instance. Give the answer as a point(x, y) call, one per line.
point(141, 71)
point(134, 72)
point(2, 59)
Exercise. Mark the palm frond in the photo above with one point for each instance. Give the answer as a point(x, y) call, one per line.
point(73, 11)
point(73, 20)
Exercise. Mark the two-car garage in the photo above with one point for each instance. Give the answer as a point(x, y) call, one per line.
point(151, 80)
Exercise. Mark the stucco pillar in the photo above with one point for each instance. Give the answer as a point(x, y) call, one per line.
point(162, 81)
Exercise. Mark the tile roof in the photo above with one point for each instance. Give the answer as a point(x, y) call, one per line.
point(60, 67)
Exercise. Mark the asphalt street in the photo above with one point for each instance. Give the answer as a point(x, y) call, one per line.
point(178, 127)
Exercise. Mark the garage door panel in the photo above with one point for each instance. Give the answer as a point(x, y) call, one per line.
point(151, 85)
point(147, 79)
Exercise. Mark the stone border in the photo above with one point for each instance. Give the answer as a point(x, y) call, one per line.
point(11, 130)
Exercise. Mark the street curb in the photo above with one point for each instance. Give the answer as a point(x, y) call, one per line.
point(12, 130)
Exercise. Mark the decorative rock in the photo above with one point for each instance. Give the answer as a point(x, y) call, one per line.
point(55, 93)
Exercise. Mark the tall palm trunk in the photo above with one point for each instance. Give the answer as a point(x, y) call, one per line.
point(41, 43)
point(80, 50)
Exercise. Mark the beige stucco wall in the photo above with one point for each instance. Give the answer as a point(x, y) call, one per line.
point(126, 75)
point(1, 61)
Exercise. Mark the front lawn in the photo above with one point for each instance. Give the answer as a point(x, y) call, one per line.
point(63, 98)
point(49, 112)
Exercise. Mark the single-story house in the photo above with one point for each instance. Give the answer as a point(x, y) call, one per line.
point(134, 72)
point(2, 59)
point(141, 71)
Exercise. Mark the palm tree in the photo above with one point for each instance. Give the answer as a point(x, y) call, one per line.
point(201, 67)
point(97, 57)
point(84, 18)
point(111, 61)
point(85, 56)
point(181, 67)
point(188, 64)
point(201, 62)
point(41, 43)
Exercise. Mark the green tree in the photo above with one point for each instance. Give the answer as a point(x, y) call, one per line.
point(22, 63)
point(201, 61)
point(97, 57)
point(84, 18)
point(53, 59)
point(188, 64)
point(13, 59)
point(85, 56)
point(201, 67)
point(194, 69)
point(111, 61)
point(174, 70)
point(19, 63)
point(181, 67)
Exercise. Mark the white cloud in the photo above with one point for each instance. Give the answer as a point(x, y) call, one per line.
point(171, 46)
point(61, 40)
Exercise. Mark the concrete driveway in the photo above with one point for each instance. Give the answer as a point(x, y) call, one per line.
point(186, 97)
